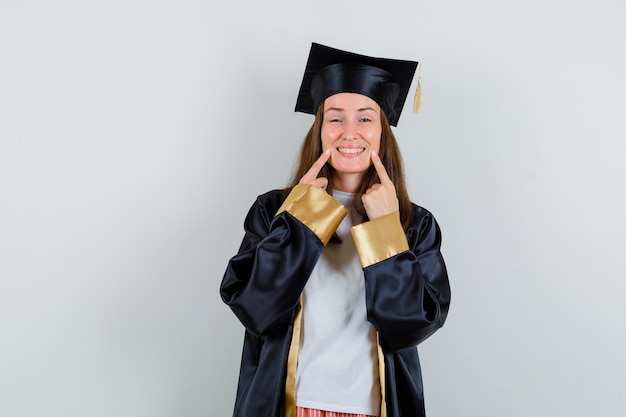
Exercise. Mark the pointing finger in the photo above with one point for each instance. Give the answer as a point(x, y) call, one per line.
point(316, 168)
point(380, 169)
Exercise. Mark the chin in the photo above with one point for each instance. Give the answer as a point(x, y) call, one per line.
point(350, 169)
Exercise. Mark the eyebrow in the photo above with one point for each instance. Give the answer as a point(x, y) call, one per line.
point(339, 109)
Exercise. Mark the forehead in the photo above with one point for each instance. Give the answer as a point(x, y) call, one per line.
point(350, 101)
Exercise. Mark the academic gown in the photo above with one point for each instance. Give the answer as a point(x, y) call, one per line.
point(406, 284)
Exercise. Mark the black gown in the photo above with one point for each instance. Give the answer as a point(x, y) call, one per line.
point(406, 284)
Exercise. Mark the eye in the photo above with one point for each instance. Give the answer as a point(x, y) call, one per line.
point(335, 120)
point(365, 120)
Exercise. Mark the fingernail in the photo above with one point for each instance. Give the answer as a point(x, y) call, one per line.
point(374, 153)
point(327, 151)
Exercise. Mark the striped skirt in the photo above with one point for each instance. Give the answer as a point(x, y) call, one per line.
point(309, 412)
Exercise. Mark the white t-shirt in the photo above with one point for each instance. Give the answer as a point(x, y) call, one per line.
point(338, 358)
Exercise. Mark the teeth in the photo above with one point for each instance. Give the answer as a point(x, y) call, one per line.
point(350, 150)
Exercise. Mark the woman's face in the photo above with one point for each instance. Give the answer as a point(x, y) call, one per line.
point(351, 128)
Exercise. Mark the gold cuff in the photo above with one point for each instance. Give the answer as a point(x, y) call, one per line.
point(379, 239)
point(316, 209)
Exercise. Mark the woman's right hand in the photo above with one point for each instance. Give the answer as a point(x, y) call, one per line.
point(311, 176)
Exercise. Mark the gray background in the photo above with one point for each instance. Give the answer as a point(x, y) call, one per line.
point(134, 136)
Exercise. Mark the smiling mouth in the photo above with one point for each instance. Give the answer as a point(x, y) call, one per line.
point(350, 151)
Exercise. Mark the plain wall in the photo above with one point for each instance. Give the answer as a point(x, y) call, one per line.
point(135, 135)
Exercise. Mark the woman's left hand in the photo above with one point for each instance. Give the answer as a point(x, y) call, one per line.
point(380, 199)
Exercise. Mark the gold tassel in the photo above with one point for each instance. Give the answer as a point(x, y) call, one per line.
point(417, 99)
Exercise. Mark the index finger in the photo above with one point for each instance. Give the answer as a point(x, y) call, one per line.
point(315, 169)
point(380, 169)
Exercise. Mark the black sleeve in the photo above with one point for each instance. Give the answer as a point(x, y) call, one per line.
point(263, 282)
point(408, 294)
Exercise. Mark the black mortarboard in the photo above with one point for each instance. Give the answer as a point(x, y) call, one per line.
point(330, 71)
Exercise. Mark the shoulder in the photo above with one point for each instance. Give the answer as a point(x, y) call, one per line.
point(268, 203)
point(420, 213)
point(262, 211)
point(423, 222)
point(272, 198)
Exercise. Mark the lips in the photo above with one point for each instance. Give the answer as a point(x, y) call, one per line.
point(350, 151)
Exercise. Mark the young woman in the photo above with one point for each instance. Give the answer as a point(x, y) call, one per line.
point(339, 277)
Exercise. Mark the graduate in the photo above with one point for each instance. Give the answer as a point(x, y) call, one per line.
point(339, 276)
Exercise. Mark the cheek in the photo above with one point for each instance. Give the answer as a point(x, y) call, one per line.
point(328, 137)
point(374, 141)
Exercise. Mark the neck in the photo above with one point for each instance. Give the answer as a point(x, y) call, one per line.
point(349, 183)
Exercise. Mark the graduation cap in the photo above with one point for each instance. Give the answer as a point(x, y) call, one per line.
point(330, 71)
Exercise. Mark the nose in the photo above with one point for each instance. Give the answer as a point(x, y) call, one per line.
point(350, 131)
